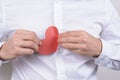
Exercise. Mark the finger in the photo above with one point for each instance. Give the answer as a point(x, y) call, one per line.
point(76, 51)
point(28, 37)
point(81, 52)
point(70, 33)
point(25, 51)
point(24, 31)
point(69, 40)
point(29, 44)
point(70, 46)
point(30, 33)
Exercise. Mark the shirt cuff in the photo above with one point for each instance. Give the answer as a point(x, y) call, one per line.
point(105, 55)
point(1, 43)
point(1, 61)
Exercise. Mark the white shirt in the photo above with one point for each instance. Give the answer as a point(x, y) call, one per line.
point(97, 17)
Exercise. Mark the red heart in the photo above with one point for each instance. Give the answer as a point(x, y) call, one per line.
point(49, 44)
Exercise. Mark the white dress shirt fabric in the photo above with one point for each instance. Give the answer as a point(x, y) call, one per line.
point(97, 17)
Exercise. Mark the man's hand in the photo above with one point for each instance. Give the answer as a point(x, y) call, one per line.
point(22, 42)
point(81, 42)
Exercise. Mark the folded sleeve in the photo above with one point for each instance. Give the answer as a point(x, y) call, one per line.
point(1, 43)
point(2, 27)
point(110, 37)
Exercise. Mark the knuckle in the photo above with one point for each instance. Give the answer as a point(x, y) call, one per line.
point(83, 33)
point(17, 31)
point(32, 35)
point(31, 44)
point(85, 40)
point(84, 47)
point(30, 51)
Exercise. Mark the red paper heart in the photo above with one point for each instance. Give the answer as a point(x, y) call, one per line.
point(49, 44)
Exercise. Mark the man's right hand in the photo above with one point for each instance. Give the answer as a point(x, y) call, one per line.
point(22, 42)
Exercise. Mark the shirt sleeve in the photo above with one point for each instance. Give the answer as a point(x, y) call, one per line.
point(2, 28)
point(110, 37)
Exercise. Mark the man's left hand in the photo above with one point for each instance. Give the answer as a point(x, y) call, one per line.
point(81, 42)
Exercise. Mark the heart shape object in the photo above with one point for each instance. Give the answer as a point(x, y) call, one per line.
point(49, 44)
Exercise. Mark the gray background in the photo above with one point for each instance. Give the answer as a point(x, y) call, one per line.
point(103, 73)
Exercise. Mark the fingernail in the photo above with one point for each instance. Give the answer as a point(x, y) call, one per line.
point(40, 43)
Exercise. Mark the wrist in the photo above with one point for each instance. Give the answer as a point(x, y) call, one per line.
point(1, 55)
point(1, 58)
point(99, 49)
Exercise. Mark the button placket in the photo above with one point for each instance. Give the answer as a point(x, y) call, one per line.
point(58, 21)
point(60, 66)
point(58, 13)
